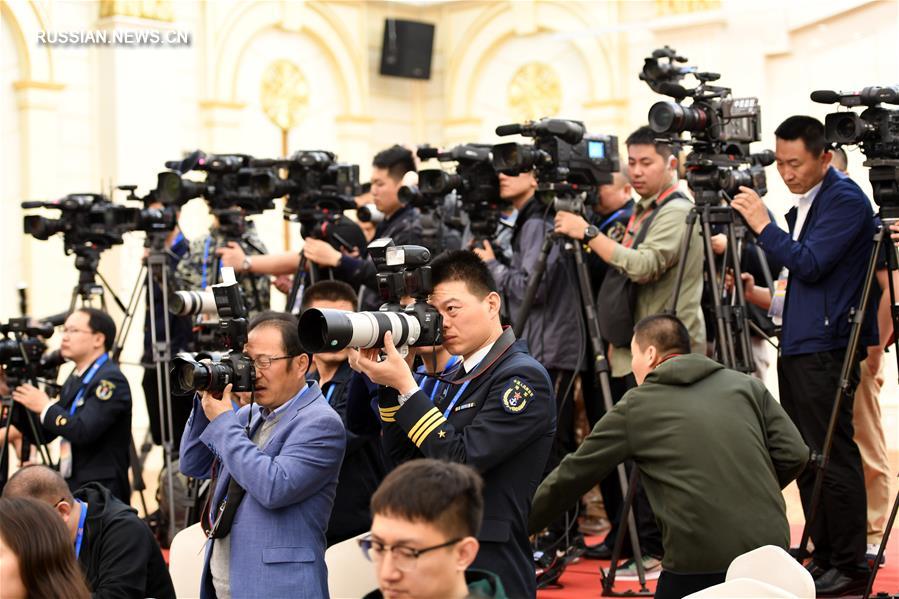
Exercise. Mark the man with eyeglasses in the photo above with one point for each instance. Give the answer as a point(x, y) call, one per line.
point(274, 466)
point(423, 542)
point(115, 548)
point(93, 414)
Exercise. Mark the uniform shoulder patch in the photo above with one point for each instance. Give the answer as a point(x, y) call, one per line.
point(104, 390)
point(516, 396)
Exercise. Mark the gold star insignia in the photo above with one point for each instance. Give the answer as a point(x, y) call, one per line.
point(441, 433)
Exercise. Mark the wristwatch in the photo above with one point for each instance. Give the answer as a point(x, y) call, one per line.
point(247, 264)
point(404, 397)
point(590, 233)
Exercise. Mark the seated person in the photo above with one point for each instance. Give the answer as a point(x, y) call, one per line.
point(114, 547)
point(429, 534)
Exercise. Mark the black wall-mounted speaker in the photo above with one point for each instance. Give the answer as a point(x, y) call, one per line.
point(406, 51)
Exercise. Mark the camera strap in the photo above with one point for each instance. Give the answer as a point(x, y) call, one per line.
point(500, 346)
point(86, 381)
point(632, 233)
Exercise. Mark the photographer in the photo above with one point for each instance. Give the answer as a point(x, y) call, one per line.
point(276, 460)
point(644, 263)
point(826, 253)
point(494, 412)
point(197, 271)
point(93, 414)
point(363, 464)
point(686, 412)
point(401, 222)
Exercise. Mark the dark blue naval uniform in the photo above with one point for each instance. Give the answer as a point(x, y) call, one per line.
point(502, 424)
point(99, 429)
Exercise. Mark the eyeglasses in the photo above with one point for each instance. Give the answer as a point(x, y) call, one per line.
point(404, 558)
point(263, 362)
point(67, 331)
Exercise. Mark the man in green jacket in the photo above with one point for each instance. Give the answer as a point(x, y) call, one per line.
point(714, 450)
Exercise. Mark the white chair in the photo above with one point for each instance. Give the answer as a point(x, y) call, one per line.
point(350, 575)
point(742, 588)
point(186, 561)
point(774, 566)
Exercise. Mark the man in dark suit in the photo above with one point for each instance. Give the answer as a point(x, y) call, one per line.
point(93, 414)
point(826, 253)
point(494, 412)
point(274, 466)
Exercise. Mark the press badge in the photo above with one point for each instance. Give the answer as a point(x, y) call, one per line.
point(776, 311)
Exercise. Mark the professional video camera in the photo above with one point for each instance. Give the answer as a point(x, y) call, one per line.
point(567, 160)
point(23, 352)
point(213, 371)
point(402, 272)
point(875, 131)
point(93, 219)
point(721, 127)
point(474, 184)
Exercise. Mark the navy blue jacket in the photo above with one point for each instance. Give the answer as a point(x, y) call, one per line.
point(502, 424)
point(827, 268)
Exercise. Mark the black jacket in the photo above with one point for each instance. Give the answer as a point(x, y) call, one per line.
point(361, 471)
point(119, 556)
point(99, 430)
point(502, 425)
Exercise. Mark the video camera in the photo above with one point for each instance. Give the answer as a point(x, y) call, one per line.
point(23, 352)
point(721, 127)
point(474, 184)
point(875, 131)
point(213, 371)
point(402, 272)
point(569, 162)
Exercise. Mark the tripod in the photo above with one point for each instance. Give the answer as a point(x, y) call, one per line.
point(602, 373)
point(733, 345)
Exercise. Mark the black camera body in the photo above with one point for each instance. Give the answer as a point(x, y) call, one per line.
point(23, 352)
point(562, 153)
point(213, 371)
point(875, 131)
point(402, 272)
point(721, 128)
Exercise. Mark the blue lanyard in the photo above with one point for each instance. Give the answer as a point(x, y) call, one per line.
point(330, 392)
point(80, 536)
point(178, 239)
point(86, 381)
point(205, 262)
point(424, 379)
point(456, 398)
point(611, 218)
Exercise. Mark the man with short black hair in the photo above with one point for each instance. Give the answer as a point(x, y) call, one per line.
point(93, 414)
point(429, 533)
point(114, 547)
point(714, 450)
point(363, 464)
point(274, 467)
point(825, 255)
point(494, 412)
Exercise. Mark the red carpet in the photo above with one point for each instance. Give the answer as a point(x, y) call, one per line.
point(581, 579)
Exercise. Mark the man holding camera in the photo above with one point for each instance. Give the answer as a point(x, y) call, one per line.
point(494, 412)
point(363, 464)
point(93, 414)
point(402, 223)
point(274, 467)
point(714, 450)
point(642, 278)
point(826, 254)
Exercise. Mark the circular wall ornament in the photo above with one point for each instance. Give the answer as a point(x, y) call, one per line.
point(535, 91)
point(284, 94)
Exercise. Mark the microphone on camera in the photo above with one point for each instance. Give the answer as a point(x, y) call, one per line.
point(512, 129)
point(824, 96)
point(678, 92)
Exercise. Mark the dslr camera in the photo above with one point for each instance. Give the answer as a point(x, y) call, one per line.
point(569, 162)
point(403, 271)
point(213, 371)
point(875, 131)
point(721, 128)
point(23, 352)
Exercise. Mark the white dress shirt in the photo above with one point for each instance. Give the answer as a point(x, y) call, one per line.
point(803, 205)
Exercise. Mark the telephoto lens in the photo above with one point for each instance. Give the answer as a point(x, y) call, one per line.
point(332, 330)
point(189, 303)
point(670, 117)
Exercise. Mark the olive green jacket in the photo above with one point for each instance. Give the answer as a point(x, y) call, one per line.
point(714, 451)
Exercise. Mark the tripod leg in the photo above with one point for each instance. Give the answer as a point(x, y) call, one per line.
point(883, 545)
point(724, 341)
point(744, 360)
point(848, 363)
point(682, 259)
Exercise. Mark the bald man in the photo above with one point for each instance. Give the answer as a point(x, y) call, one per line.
point(115, 549)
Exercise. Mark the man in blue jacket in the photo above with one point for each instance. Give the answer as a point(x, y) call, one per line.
point(274, 467)
point(826, 253)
